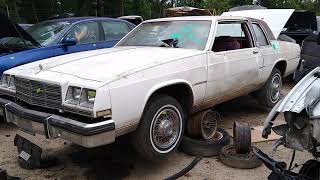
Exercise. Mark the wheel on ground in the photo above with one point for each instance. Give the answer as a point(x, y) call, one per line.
point(242, 137)
point(270, 93)
point(204, 124)
point(230, 157)
point(196, 147)
point(160, 128)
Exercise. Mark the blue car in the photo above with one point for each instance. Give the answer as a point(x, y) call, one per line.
point(56, 37)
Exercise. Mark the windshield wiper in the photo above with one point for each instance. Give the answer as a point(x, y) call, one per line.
point(172, 42)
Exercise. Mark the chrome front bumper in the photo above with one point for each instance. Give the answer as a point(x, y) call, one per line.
point(54, 126)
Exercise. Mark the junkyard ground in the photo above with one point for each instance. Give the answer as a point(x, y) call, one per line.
point(118, 161)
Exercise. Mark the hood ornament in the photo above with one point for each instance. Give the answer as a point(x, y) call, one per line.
point(40, 67)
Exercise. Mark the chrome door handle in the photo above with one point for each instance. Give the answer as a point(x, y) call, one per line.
point(255, 52)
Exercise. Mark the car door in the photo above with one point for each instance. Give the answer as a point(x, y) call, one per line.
point(113, 31)
point(234, 63)
point(87, 34)
point(265, 48)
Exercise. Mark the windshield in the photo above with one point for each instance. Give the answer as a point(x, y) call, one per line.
point(178, 34)
point(44, 33)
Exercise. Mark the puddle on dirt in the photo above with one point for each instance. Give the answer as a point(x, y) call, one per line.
point(109, 162)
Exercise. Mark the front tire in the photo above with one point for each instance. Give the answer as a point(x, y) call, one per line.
point(161, 127)
point(270, 93)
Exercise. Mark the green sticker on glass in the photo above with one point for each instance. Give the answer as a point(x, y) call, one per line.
point(275, 45)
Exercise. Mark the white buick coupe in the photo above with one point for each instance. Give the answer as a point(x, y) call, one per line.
point(160, 73)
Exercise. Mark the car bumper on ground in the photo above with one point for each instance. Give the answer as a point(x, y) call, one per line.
point(54, 126)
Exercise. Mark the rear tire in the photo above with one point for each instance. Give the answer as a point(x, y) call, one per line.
point(161, 127)
point(270, 93)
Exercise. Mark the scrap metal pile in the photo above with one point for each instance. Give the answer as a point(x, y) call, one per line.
point(301, 131)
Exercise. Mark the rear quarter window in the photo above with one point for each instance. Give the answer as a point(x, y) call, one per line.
point(260, 35)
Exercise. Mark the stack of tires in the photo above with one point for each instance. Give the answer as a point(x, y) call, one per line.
point(203, 137)
point(240, 154)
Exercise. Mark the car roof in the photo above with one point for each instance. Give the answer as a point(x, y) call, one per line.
point(80, 19)
point(198, 18)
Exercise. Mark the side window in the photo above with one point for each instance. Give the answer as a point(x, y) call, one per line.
point(261, 37)
point(232, 36)
point(85, 33)
point(114, 30)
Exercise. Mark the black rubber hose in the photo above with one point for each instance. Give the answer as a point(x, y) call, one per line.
point(292, 159)
point(185, 170)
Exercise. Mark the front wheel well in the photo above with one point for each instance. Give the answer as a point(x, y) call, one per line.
point(181, 92)
point(282, 66)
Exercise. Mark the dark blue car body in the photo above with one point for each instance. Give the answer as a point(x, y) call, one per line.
point(15, 58)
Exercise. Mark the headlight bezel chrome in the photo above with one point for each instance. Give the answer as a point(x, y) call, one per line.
point(73, 95)
point(82, 97)
point(12, 84)
point(8, 81)
point(5, 80)
point(87, 98)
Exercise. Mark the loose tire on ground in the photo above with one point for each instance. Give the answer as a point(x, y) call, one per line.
point(242, 137)
point(267, 95)
point(204, 148)
point(229, 157)
point(156, 122)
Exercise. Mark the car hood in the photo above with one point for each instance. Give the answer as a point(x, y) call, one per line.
point(270, 16)
point(11, 29)
point(106, 65)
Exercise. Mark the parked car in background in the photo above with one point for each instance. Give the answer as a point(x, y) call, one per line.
point(149, 83)
point(310, 56)
point(57, 37)
point(132, 19)
point(25, 26)
point(300, 25)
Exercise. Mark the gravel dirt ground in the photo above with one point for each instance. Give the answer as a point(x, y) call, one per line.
point(118, 161)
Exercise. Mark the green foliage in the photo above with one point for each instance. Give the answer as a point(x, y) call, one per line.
point(37, 10)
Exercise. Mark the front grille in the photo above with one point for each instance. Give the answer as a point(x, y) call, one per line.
point(38, 93)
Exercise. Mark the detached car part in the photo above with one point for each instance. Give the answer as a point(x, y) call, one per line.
point(301, 110)
point(4, 175)
point(242, 137)
point(230, 157)
point(309, 170)
point(29, 153)
point(204, 124)
point(196, 147)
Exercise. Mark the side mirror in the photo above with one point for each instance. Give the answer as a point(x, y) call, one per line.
point(318, 39)
point(69, 42)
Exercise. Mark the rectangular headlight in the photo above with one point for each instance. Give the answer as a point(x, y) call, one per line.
point(87, 98)
point(73, 95)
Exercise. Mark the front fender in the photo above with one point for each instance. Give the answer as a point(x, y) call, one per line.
point(166, 84)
